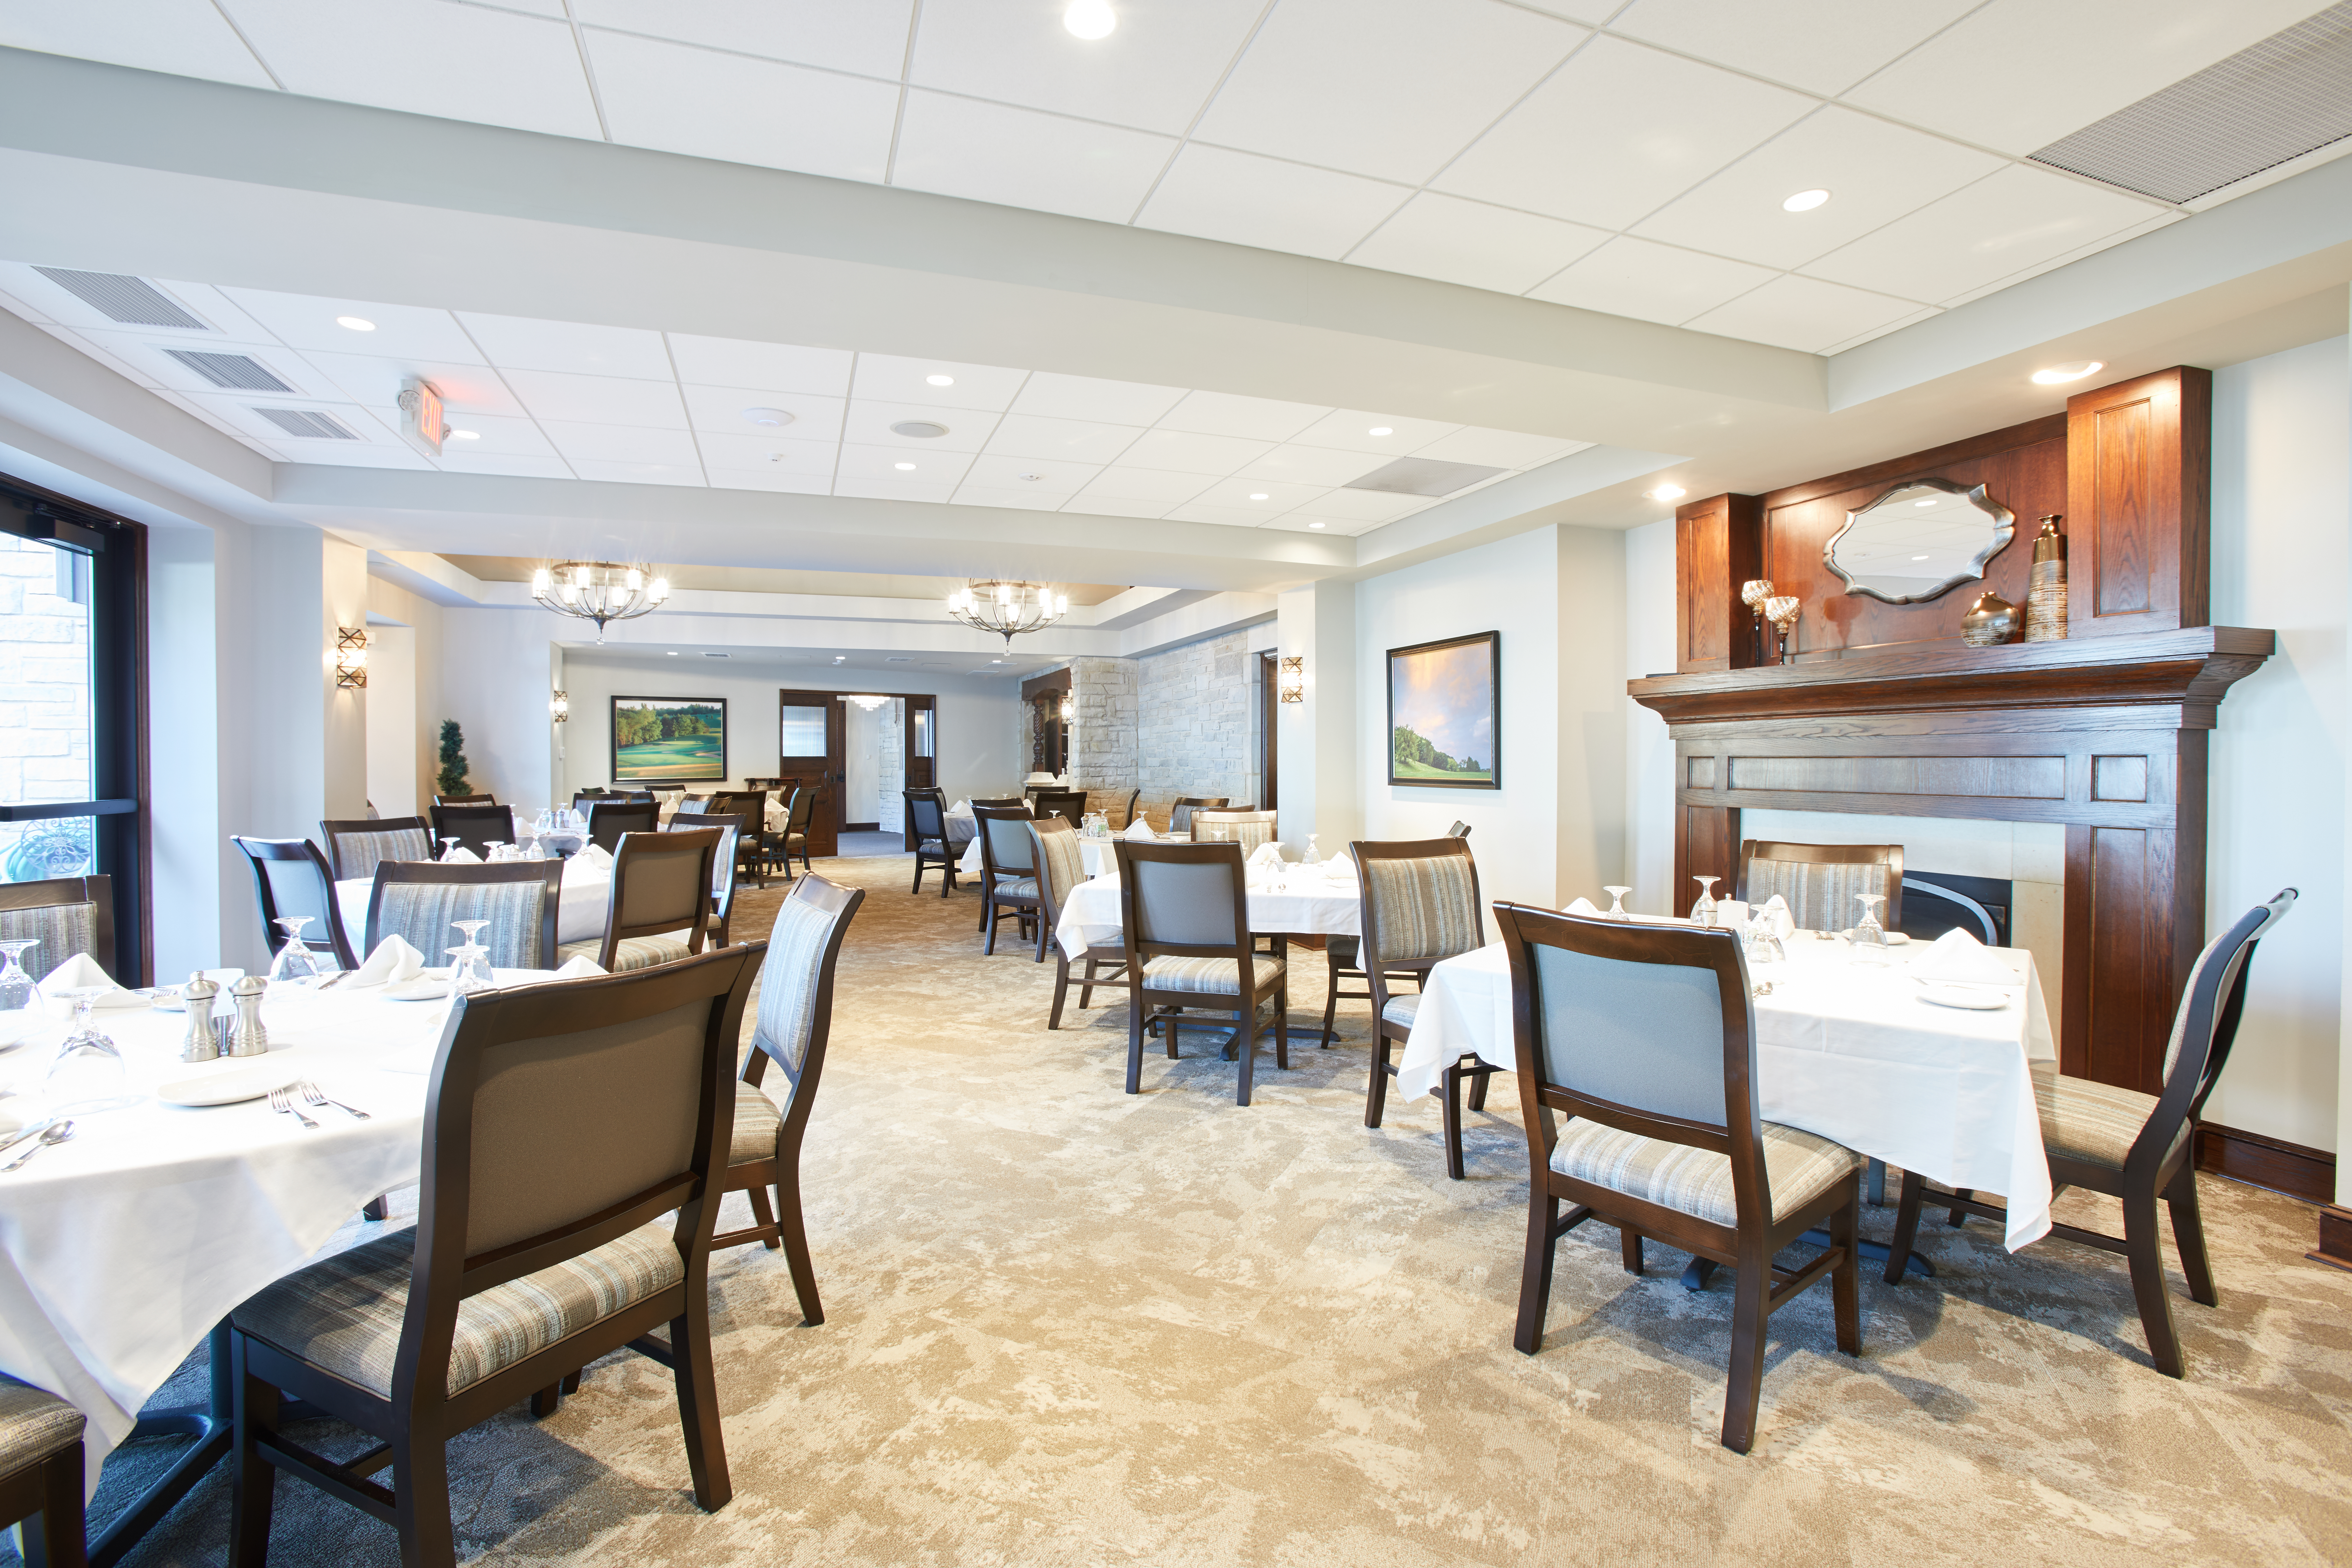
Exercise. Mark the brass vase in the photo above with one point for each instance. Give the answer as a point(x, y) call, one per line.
point(2045, 601)
point(1990, 621)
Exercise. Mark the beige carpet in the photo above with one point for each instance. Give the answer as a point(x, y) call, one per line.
point(1068, 1326)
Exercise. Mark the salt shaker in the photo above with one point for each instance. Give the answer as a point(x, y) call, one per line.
point(200, 1045)
point(249, 1039)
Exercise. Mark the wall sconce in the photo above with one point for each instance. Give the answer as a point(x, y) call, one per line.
point(1293, 678)
point(1069, 710)
point(350, 657)
point(559, 706)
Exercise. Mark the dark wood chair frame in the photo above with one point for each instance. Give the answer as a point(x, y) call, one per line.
point(2156, 1166)
point(97, 891)
point(547, 871)
point(780, 1173)
point(44, 1500)
point(1130, 809)
point(485, 799)
point(475, 828)
point(1069, 805)
point(1387, 1035)
point(632, 847)
point(1026, 907)
point(796, 825)
point(416, 1423)
point(257, 850)
point(1144, 1001)
point(1092, 975)
point(1887, 855)
point(722, 904)
point(329, 831)
point(1749, 1247)
point(754, 850)
point(608, 819)
point(945, 858)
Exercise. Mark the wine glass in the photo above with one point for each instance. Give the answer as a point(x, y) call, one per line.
point(448, 845)
point(471, 972)
point(1703, 911)
point(1870, 937)
point(1313, 856)
point(295, 962)
point(86, 1076)
point(20, 1000)
point(1617, 903)
point(1763, 942)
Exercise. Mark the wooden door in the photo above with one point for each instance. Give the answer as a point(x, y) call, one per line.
point(922, 748)
point(1269, 724)
point(810, 750)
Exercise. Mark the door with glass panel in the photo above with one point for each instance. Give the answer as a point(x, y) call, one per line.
point(810, 750)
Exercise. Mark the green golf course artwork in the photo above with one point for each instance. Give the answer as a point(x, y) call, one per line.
point(669, 740)
point(1445, 712)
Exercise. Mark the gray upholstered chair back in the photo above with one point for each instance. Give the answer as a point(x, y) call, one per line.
point(1645, 1035)
point(355, 849)
point(609, 818)
point(1055, 849)
point(60, 931)
point(658, 880)
point(1068, 804)
point(1420, 907)
point(797, 978)
point(474, 825)
point(929, 815)
point(517, 898)
point(1820, 882)
point(723, 864)
point(1186, 903)
point(295, 887)
point(1008, 840)
point(2211, 1002)
point(1247, 828)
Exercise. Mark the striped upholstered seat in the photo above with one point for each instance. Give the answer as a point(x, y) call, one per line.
point(1402, 1010)
point(33, 1426)
point(1799, 1167)
point(1211, 976)
point(629, 952)
point(2090, 1121)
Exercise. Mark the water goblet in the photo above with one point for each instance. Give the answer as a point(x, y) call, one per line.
point(1869, 937)
point(448, 845)
point(1313, 856)
point(20, 999)
point(1617, 903)
point(1703, 911)
point(86, 1076)
point(1762, 940)
point(471, 972)
point(295, 963)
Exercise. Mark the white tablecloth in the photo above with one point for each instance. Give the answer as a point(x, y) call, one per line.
point(1844, 1050)
point(578, 916)
point(776, 817)
point(1297, 903)
point(120, 1249)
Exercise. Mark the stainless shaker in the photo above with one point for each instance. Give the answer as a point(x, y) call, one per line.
point(249, 1039)
point(200, 1045)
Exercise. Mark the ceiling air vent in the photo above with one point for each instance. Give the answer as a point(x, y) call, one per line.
point(1423, 476)
point(134, 301)
point(234, 371)
point(2288, 95)
point(310, 424)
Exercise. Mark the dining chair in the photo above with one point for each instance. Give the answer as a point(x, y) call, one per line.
point(1180, 814)
point(754, 849)
point(1417, 904)
point(1058, 852)
point(483, 799)
point(1008, 878)
point(660, 908)
point(927, 835)
point(581, 797)
point(2132, 1146)
point(609, 818)
point(291, 877)
point(357, 847)
point(563, 1120)
point(420, 900)
point(1460, 829)
point(65, 915)
point(1343, 956)
point(1184, 909)
point(475, 828)
point(723, 864)
point(1820, 882)
point(1130, 809)
point(1069, 805)
point(793, 840)
point(41, 1463)
point(793, 1024)
point(1645, 1035)
point(1249, 829)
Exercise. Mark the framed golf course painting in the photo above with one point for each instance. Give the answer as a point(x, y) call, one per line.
point(669, 740)
point(1445, 713)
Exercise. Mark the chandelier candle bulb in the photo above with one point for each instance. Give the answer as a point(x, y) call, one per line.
point(2045, 598)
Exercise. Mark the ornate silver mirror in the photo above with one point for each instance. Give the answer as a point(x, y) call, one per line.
point(1919, 540)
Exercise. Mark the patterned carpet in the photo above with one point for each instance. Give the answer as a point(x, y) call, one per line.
point(1068, 1326)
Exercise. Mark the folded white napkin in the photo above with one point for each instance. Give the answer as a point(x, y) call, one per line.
point(461, 855)
point(392, 962)
point(1267, 856)
point(1957, 955)
point(578, 964)
point(1582, 907)
point(76, 974)
point(1139, 829)
point(595, 855)
point(1776, 909)
point(960, 809)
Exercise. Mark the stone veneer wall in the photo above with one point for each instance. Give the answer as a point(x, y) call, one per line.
point(1192, 722)
point(892, 774)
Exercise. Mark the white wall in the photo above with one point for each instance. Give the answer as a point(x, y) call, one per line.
point(391, 739)
point(188, 858)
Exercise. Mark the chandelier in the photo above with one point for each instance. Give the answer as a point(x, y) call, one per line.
point(598, 591)
point(1007, 609)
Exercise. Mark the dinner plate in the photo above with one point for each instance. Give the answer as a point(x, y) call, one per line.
point(226, 1082)
point(1976, 998)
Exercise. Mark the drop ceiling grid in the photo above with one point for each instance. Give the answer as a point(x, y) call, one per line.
point(566, 400)
point(1333, 128)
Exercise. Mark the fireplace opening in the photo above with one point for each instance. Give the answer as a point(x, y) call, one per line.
point(1937, 902)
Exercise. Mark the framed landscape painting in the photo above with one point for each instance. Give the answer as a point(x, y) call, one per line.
point(1445, 713)
point(669, 740)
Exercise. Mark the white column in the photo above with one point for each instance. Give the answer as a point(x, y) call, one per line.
point(1315, 763)
point(196, 882)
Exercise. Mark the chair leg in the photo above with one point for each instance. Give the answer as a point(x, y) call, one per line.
point(989, 920)
point(1845, 1279)
point(1061, 988)
point(1907, 1225)
point(1245, 1047)
point(1749, 1313)
point(420, 1487)
point(1875, 1182)
point(761, 1216)
point(57, 1536)
point(1534, 1272)
point(1282, 1026)
point(1331, 1006)
point(2144, 1251)
point(697, 1403)
point(1452, 1102)
point(1134, 1044)
point(570, 1384)
point(2189, 1237)
point(1960, 1217)
point(254, 1484)
point(1629, 1245)
point(1170, 1022)
point(1086, 984)
point(796, 1246)
point(1042, 937)
point(1375, 1093)
point(1478, 1077)
point(546, 1401)
point(918, 873)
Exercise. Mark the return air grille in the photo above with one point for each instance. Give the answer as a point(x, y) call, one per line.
point(1423, 476)
point(2276, 100)
point(134, 301)
point(235, 371)
point(310, 424)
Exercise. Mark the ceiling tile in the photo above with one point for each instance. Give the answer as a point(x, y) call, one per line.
point(1154, 71)
point(1499, 448)
point(598, 399)
point(1246, 200)
point(1822, 46)
point(86, 343)
point(184, 37)
point(1186, 453)
point(1099, 505)
point(707, 105)
point(1593, 144)
point(1391, 88)
point(1102, 402)
point(902, 486)
point(379, 380)
point(1243, 494)
point(869, 422)
point(894, 379)
point(869, 37)
point(507, 464)
point(308, 321)
point(1251, 418)
point(1859, 339)
point(1161, 488)
point(881, 463)
point(1350, 429)
point(1011, 474)
point(1874, 172)
point(689, 474)
point(774, 367)
point(2165, 219)
point(1027, 498)
point(620, 444)
point(1232, 516)
point(526, 342)
point(1021, 158)
point(1323, 466)
point(1071, 440)
point(1651, 282)
point(769, 480)
point(1802, 313)
point(767, 453)
point(428, 57)
point(494, 434)
point(2059, 67)
point(720, 409)
point(1994, 227)
point(1364, 506)
point(1471, 243)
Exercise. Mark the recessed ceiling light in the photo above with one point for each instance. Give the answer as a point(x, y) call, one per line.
point(940, 380)
point(1033, 478)
point(465, 435)
point(904, 468)
point(1918, 558)
point(918, 429)
point(841, 658)
point(1381, 430)
point(1804, 201)
point(769, 416)
point(673, 653)
point(1929, 502)
point(1313, 525)
point(1260, 495)
point(1090, 19)
point(1668, 492)
point(2073, 370)
point(356, 323)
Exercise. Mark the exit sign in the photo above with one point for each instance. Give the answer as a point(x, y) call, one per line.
point(422, 422)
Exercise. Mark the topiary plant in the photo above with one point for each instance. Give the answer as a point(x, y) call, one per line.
point(452, 778)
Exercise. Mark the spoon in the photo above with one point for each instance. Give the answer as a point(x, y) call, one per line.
point(56, 1134)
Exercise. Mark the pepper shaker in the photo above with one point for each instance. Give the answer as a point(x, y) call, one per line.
point(249, 1039)
point(200, 1044)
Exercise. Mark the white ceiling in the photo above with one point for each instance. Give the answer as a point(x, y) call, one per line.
point(567, 400)
point(1630, 158)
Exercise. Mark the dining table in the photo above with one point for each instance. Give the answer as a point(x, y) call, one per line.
point(581, 904)
point(1295, 901)
point(1851, 1050)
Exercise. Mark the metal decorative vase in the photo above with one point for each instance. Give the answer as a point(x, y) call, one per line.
point(1990, 621)
point(2045, 599)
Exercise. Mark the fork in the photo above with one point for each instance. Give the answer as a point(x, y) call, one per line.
point(312, 1094)
point(282, 1101)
